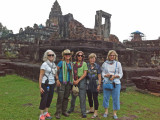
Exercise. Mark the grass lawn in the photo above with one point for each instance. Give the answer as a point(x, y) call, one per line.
point(20, 97)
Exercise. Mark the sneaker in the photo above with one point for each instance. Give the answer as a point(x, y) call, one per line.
point(115, 117)
point(69, 111)
point(41, 117)
point(105, 115)
point(84, 115)
point(48, 116)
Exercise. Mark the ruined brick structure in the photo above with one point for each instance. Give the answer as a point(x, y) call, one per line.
point(64, 32)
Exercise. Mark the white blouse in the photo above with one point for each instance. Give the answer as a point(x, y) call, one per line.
point(112, 69)
point(47, 70)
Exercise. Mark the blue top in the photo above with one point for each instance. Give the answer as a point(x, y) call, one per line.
point(61, 71)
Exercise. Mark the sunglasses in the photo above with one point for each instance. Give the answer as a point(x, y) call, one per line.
point(67, 54)
point(80, 55)
point(51, 55)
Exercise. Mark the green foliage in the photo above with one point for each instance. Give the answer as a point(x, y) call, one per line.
point(10, 54)
point(20, 97)
point(4, 31)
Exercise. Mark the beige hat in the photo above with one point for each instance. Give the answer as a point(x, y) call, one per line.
point(67, 51)
point(78, 53)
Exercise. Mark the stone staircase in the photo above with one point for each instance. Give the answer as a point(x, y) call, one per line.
point(4, 69)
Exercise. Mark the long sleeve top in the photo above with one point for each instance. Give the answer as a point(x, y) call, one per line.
point(113, 69)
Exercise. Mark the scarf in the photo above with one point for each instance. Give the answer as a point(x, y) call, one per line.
point(75, 69)
point(65, 70)
point(110, 62)
point(52, 65)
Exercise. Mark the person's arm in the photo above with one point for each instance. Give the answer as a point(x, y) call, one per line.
point(40, 80)
point(75, 82)
point(104, 71)
point(58, 83)
point(120, 71)
point(99, 82)
point(85, 69)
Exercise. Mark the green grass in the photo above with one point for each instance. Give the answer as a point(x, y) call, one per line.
point(20, 97)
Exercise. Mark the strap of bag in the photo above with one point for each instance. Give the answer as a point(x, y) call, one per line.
point(47, 81)
point(115, 69)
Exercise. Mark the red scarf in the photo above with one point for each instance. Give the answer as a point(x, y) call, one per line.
point(75, 69)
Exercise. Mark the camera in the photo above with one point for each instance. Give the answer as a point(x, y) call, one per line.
point(110, 76)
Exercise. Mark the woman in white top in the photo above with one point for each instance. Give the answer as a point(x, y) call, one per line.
point(112, 73)
point(47, 75)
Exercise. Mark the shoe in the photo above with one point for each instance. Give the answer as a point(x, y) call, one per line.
point(58, 116)
point(69, 111)
point(94, 116)
point(105, 115)
point(65, 114)
point(41, 117)
point(84, 116)
point(88, 111)
point(115, 117)
point(48, 116)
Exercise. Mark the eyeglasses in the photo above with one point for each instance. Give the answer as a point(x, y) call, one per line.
point(51, 55)
point(112, 55)
point(80, 55)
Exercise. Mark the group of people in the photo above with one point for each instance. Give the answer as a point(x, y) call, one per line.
point(86, 76)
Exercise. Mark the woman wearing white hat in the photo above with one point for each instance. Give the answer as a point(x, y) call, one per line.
point(64, 82)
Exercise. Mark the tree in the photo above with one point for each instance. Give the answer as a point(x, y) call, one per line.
point(4, 31)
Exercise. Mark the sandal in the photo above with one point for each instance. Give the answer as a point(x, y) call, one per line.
point(88, 111)
point(94, 116)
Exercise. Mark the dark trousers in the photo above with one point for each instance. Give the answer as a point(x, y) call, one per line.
point(93, 96)
point(62, 100)
point(46, 97)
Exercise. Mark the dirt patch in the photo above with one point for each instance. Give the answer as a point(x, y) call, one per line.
point(131, 117)
point(27, 104)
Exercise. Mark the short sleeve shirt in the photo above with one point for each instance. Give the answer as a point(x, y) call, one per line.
point(82, 69)
point(61, 71)
point(48, 73)
point(93, 73)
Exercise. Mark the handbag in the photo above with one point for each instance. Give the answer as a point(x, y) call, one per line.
point(75, 90)
point(110, 86)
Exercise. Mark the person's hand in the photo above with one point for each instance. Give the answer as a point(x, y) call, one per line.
point(58, 83)
point(112, 78)
point(75, 82)
point(98, 88)
point(116, 76)
point(107, 75)
point(41, 90)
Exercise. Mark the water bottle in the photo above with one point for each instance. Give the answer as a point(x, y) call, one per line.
point(47, 88)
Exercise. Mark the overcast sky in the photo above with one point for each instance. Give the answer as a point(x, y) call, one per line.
point(127, 15)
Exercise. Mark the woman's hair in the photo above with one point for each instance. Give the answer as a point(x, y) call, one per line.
point(45, 56)
point(92, 55)
point(112, 51)
point(77, 55)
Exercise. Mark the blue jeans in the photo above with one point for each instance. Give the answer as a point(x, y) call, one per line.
point(115, 97)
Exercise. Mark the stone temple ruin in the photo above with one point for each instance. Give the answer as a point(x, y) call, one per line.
point(139, 58)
